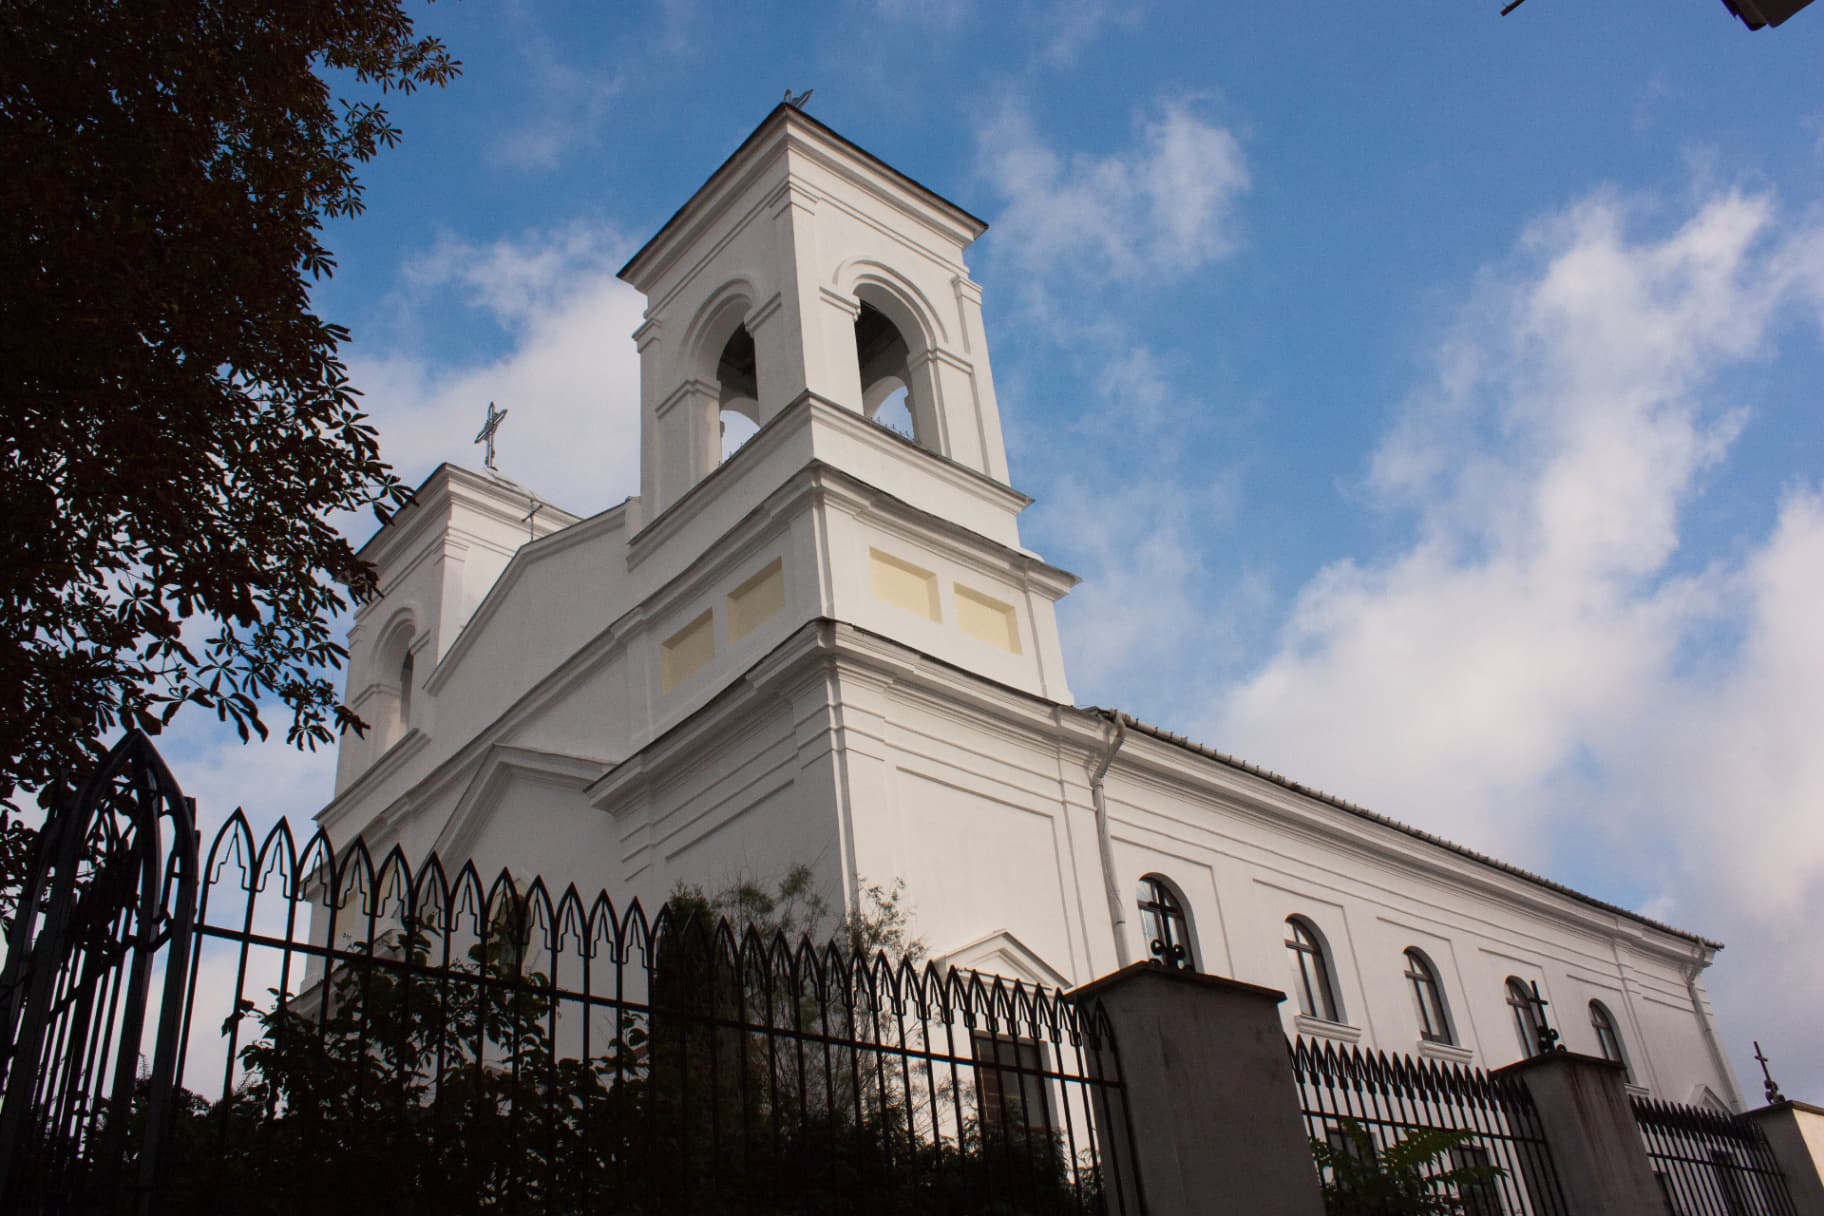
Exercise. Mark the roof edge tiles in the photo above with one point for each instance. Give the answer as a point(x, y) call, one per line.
point(786, 113)
point(1362, 812)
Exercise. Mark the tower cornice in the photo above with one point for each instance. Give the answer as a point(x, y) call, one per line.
point(788, 128)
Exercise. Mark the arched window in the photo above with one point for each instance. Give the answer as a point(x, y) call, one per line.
point(1428, 995)
point(1166, 924)
point(1311, 973)
point(1528, 1022)
point(405, 688)
point(1608, 1037)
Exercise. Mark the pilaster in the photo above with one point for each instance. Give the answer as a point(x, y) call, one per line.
point(1591, 1133)
point(1795, 1133)
point(1209, 1095)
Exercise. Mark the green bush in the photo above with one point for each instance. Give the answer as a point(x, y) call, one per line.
point(1407, 1178)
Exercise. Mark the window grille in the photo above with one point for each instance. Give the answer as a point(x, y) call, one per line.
point(1166, 924)
point(1010, 1083)
point(1428, 994)
point(1608, 1038)
point(1477, 1198)
point(1527, 1022)
point(1311, 974)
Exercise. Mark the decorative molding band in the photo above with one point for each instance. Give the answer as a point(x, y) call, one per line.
point(689, 389)
point(390, 762)
point(794, 193)
point(763, 312)
point(614, 519)
point(840, 301)
point(921, 360)
point(1320, 1028)
point(1446, 1053)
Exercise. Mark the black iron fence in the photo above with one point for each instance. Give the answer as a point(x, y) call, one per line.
point(1391, 1124)
point(106, 903)
point(1711, 1163)
point(335, 1029)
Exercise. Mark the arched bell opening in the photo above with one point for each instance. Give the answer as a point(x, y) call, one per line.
point(884, 357)
point(738, 391)
point(889, 403)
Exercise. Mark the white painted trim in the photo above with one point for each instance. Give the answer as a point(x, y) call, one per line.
point(1445, 1053)
point(980, 954)
point(1320, 1028)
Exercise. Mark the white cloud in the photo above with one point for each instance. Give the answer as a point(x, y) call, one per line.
point(1545, 661)
point(570, 375)
point(1164, 207)
point(1064, 27)
point(1158, 209)
point(568, 108)
point(222, 774)
point(1075, 24)
point(1138, 540)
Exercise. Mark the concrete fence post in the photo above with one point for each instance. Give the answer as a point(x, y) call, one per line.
point(1795, 1133)
point(1208, 1088)
point(1590, 1130)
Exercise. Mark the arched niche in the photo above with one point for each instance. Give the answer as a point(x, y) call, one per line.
point(395, 680)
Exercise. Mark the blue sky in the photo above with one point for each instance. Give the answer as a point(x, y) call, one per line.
point(1429, 399)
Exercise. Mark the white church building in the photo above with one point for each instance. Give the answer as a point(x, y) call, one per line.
point(831, 648)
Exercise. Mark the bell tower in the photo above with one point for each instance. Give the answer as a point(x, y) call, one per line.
point(810, 305)
point(805, 266)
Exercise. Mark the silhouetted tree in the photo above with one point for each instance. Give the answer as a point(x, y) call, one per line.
point(178, 424)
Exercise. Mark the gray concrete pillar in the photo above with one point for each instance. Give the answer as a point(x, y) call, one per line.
point(1795, 1133)
point(1209, 1090)
point(1590, 1129)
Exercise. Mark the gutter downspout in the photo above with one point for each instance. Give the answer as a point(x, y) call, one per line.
point(1700, 1008)
point(1117, 907)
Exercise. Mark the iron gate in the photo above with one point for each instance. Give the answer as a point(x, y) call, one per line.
point(104, 915)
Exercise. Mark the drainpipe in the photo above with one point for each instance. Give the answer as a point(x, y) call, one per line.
point(1716, 1049)
point(1117, 906)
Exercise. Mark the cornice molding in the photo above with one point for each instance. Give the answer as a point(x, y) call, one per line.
point(549, 545)
point(783, 134)
point(389, 763)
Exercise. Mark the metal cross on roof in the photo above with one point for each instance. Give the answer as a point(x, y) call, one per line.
point(486, 434)
point(1773, 1091)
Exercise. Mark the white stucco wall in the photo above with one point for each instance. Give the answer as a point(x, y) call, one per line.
point(593, 706)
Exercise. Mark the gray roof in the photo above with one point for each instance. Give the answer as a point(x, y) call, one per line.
point(1177, 740)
